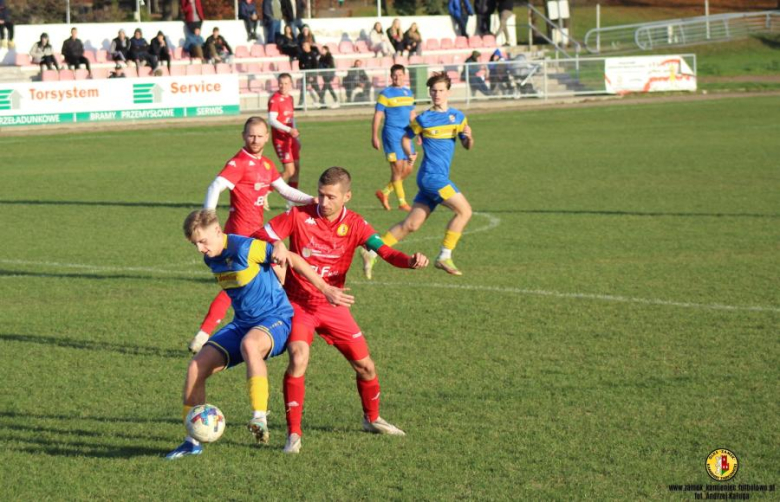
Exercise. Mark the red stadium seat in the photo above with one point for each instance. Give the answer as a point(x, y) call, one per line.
point(178, 53)
point(447, 44)
point(22, 59)
point(224, 68)
point(489, 41)
point(475, 42)
point(241, 52)
point(461, 43)
point(272, 51)
point(99, 73)
point(295, 65)
point(207, 69)
point(50, 76)
point(283, 66)
point(432, 44)
point(101, 56)
point(256, 85)
point(195, 69)
point(415, 60)
point(164, 69)
point(144, 71)
point(431, 59)
point(343, 63)
point(373, 63)
point(346, 47)
point(130, 72)
point(81, 74)
point(257, 51)
point(387, 62)
point(178, 70)
point(67, 75)
point(446, 59)
point(90, 55)
point(362, 47)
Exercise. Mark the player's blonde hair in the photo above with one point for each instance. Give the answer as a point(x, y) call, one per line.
point(336, 175)
point(197, 220)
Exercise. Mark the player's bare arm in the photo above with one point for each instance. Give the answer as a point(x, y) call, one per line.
point(335, 296)
point(375, 129)
point(280, 255)
point(467, 140)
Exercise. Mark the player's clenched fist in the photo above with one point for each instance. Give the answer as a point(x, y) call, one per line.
point(418, 260)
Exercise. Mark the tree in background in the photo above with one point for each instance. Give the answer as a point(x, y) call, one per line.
point(405, 7)
point(434, 7)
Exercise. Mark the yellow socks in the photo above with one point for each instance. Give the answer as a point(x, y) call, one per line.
point(388, 189)
point(258, 393)
point(399, 191)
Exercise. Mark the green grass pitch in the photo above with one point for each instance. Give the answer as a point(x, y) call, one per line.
point(617, 320)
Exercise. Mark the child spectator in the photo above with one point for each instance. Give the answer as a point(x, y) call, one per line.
point(73, 51)
point(42, 54)
point(118, 72)
point(247, 12)
point(193, 44)
point(120, 48)
point(379, 43)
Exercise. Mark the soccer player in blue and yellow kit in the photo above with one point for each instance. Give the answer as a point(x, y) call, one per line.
point(439, 127)
point(262, 320)
point(396, 103)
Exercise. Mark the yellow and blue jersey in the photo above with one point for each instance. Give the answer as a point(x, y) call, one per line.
point(397, 103)
point(243, 270)
point(439, 131)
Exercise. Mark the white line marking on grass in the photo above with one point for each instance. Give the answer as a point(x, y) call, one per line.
point(578, 296)
point(464, 287)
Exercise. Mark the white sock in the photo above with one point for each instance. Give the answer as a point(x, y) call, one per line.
point(192, 440)
point(258, 414)
point(372, 254)
point(445, 254)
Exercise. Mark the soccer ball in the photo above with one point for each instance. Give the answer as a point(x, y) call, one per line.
point(205, 423)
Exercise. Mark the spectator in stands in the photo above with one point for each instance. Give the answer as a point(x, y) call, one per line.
point(471, 71)
point(413, 40)
point(308, 59)
point(73, 52)
point(498, 74)
point(118, 72)
point(193, 43)
point(485, 9)
point(139, 50)
point(505, 11)
point(217, 48)
point(287, 44)
point(42, 53)
point(271, 22)
point(6, 25)
point(378, 42)
point(192, 10)
point(159, 49)
point(396, 36)
point(247, 12)
point(306, 36)
point(460, 10)
point(327, 65)
point(292, 12)
point(120, 48)
point(355, 80)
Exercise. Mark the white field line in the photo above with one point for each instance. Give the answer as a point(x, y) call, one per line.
point(463, 287)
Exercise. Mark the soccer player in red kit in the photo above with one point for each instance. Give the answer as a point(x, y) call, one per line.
point(249, 176)
point(326, 235)
point(283, 131)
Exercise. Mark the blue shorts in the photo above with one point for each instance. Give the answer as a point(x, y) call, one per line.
point(228, 340)
point(391, 142)
point(433, 193)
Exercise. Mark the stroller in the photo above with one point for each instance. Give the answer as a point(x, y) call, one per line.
point(521, 71)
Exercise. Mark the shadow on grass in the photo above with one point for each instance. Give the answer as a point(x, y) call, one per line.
point(773, 42)
point(30, 202)
point(103, 277)
point(70, 343)
point(629, 213)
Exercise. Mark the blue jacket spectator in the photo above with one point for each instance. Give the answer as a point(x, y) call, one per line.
point(247, 12)
point(193, 44)
point(460, 10)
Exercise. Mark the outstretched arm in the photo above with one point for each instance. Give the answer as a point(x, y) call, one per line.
point(292, 194)
point(212, 193)
point(393, 256)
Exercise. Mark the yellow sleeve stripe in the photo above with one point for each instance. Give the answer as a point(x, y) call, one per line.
point(441, 132)
point(396, 102)
point(257, 252)
point(416, 127)
point(463, 125)
point(382, 100)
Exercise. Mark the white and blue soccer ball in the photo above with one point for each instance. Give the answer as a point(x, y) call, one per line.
point(205, 423)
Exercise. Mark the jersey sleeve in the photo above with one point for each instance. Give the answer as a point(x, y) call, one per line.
point(462, 127)
point(414, 128)
point(260, 252)
point(366, 234)
point(232, 172)
point(381, 102)
point(273, 105)
point(282, 225)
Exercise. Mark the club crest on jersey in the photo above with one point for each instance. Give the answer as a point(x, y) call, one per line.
point(267, 166)
point(306, 252)
point(251, 163)
point(452, 119)
point(342, 230)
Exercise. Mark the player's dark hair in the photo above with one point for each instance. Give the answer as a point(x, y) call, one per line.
point(285, 75)
point(253, 121)
point(196, 220)
point(397, 67)
point(439, 77)
point(336, 175)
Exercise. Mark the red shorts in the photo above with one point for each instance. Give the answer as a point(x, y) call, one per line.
point(334, 324)
point(288, 150)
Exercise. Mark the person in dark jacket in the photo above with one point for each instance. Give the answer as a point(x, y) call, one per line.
point(6, 25)
point(192, 11)
point(357, 79)
point(193, 43)
point(159, 49)
point(308, 59)
point(42, 53)
point(484, 9)
point(73, 51)
point(120, 48)
point(327, 65)
point(217, 48)
point(139, 50)
point(271, 22)
point(413, 40)
point(292, 12)
point(287, 44)
point(247, 12)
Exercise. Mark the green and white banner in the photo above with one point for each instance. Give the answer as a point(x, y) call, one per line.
point(40, 103)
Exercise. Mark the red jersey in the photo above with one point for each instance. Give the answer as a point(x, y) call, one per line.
point(251, 178)
point(327, 246)
point(283, 105)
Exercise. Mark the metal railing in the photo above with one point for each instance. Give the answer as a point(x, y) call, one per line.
point(681, 32)
point(472, 82)
point(534, 12)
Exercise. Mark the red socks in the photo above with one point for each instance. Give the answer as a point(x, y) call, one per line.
point(369, 397)
point(294, 392)
point(217, 311)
